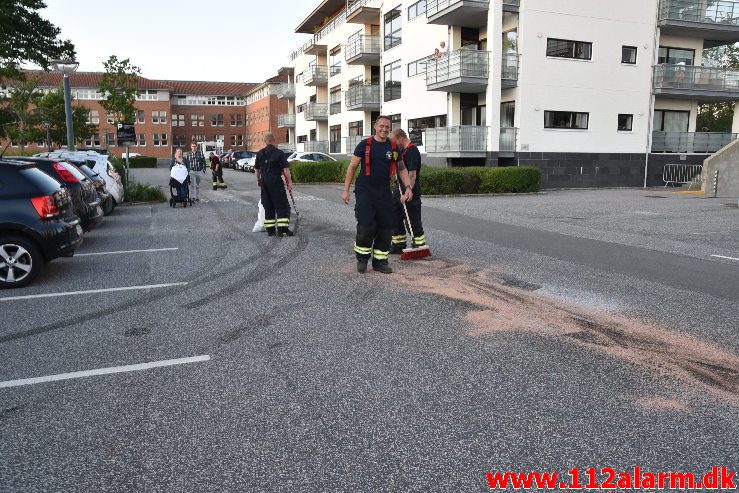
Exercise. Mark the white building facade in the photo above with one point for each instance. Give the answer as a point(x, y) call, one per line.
point(593, 92)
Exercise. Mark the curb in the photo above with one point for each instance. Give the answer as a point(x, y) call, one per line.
point(132, 204)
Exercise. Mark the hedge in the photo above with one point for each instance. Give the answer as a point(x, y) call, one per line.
point(143, 192)
point(437, 181)
point(142, 162)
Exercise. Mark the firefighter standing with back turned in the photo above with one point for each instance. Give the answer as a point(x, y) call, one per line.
point(269, 166)
point(412, 160)
point(377, 159)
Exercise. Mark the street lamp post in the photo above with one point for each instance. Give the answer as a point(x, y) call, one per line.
point(47, 126)
point(67, 67)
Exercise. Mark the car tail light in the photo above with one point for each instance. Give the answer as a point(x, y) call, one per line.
point(64, 173)
point(46, 206)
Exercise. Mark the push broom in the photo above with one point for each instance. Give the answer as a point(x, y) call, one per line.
point(412, 253)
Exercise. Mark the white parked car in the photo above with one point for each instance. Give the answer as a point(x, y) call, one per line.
point(311, 157)
point(246, 164)
point(97, 162)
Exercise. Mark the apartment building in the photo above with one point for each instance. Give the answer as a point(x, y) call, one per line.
point(593, 92)
point(169, 113)
point(263, 109)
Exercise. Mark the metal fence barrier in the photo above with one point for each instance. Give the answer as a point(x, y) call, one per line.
point(683, 174)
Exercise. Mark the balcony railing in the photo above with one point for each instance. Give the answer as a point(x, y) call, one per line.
point(353, 141)
point(511, 5)
point(363, 50)
point(466, 140)
point(285, 90)
point(316, 75)
point(703, 11)
point(334, 23)
point(362, 97)
point(509, 70)
point(316, 112)
point(286, 146)
point(316, 146)
point(354, 5)
point(702, 83)
point(691, 142)
point(286, 120)
point(459, 71)
point(358, 12)
point(507, 144)
point(469, 13)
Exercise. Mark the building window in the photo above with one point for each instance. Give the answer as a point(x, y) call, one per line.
point(628, 55)
point(393, 25)
point(566, 119)
point(237, 120)
point(562, 48)
point(625, 123)
point(197, 120)
point(140, 116)
point(110, 139)
point(392, 81)
point(220, 138)
point(300, 108)
point(178, 120)
point(91, 141)
point(93, 117)
point(160, 140)
point(142, 140)
point(334, 61)
point(148, 95)
point(418, 67)
point(395, 121)
point(198, 138)
point(676, 56)
point(237, 141)
point(178, 140)
point(334, 134)
point(159, 117)
point(302, 138)
point(335, 100)
point(356, 128)
point(110, 120)
point(418, 8)
point(671, 121)
point(216, 120)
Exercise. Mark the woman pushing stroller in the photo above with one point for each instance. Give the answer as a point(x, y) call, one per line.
point(179, 180)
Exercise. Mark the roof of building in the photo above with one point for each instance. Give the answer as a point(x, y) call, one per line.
point(326, 9)
point(88, 80)
point(202, 88)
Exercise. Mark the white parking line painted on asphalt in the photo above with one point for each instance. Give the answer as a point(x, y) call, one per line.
point(120, 252)
point(93, 291)
point(725, 258)
point(103, 371)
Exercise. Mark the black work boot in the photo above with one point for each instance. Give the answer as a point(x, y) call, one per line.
point(285, 232)
point(396, 248)
point(362, 265)
point(270, 231)
point(383, 268)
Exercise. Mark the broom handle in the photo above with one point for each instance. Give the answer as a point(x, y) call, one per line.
point(407, 217)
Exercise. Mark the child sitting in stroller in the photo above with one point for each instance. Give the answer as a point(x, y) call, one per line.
point(179, 181)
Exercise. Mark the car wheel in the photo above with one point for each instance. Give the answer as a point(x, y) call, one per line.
point(20, 262)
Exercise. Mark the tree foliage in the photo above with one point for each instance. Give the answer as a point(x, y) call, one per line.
point(50, 109)
point(119, 84)
point(22, 107)
point(26, 37)
point(719, 117)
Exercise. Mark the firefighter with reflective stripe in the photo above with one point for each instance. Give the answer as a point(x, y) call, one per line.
point(217, 169)
point(378, 161)
point(270, 166)
point(412, 160)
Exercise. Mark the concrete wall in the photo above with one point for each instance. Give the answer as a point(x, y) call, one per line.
point(726, 161)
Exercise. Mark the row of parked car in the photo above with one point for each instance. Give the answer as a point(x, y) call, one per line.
point(47, 203)
point(244, 160)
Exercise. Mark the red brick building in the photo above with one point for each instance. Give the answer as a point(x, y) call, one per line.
point(262, 109)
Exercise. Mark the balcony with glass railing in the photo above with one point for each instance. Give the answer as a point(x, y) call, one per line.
point(363, 12)
point(361, 97)
point(363, 50)
point(458, 71)
point(316, 75)
point(507, 143)
point(316, 146)
point(703, 84)
point(315, 112)
point(286, 146)
point(717, 20)
point(353, 141)
point(509, 71)
point(285, 90)
point(691, 142)
point(468, 13)
point(456, 142)
point(511, 5)
point(286, 120)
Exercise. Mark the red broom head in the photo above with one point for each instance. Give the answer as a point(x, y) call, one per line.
point(415, 253)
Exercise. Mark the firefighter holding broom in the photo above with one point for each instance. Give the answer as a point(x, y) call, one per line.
point(410, 212)
point(270, 166)
point(377, 160)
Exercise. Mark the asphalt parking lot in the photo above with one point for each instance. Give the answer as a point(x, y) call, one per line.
point(572, 328)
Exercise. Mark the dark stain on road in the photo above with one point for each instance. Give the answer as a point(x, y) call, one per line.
point(137, 331)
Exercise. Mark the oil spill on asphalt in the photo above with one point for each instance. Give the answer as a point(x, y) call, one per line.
point(137, 332)
point(661, 404)
point(500, 307)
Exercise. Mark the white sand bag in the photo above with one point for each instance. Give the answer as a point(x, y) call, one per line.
point(259, 225)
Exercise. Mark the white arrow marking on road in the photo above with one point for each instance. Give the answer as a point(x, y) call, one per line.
point(726, 258)
point(103, 371)
point(126, 251)
point(93, 291)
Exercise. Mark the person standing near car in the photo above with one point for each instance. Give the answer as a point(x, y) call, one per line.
point(195, 162)
point(270, 166)
point(378, 160)
point(217, 168)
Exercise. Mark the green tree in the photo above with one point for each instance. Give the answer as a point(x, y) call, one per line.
point(22, 109)
point(719, 117)
point(27, 37)
point(119, 85)
point(51, 111)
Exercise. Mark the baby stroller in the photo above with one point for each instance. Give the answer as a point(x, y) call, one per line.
point(179, 187)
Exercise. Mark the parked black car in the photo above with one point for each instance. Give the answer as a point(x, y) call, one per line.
point(106, 199)
point(85, 199)
point(37, 223)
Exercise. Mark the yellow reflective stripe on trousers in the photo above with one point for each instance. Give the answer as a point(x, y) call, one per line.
point(380, 255)
point(362, 250)
point(399, 239)
point(283, 221)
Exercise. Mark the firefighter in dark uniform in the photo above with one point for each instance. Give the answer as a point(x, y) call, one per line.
point(377, 160)
point(270, 166)
point(412, 159)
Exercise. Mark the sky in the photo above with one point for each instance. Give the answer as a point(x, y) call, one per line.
point(218, 40)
